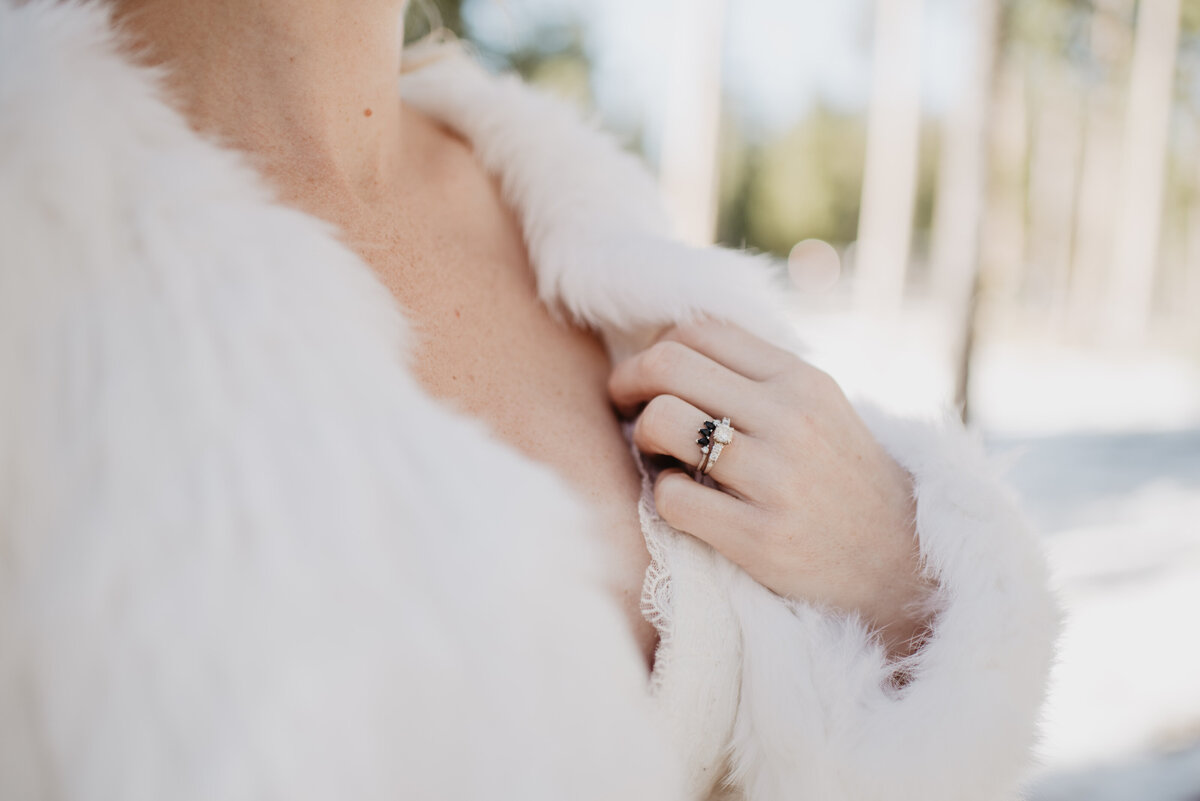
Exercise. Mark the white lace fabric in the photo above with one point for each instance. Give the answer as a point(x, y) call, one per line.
point(695, 675)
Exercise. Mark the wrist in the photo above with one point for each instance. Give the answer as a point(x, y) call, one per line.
point(903, 608)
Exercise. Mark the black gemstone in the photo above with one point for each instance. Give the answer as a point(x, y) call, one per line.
point(702, 441)
point(710, 425)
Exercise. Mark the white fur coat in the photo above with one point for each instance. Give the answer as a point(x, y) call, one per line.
point(244, 555)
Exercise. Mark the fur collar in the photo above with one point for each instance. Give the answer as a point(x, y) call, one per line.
point(598, 236)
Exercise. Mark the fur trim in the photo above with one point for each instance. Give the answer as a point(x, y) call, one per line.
point(231, 565)
point(594, 223)
point(819, 716)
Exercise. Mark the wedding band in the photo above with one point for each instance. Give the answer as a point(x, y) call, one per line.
point(714, 437)
point(705, 432)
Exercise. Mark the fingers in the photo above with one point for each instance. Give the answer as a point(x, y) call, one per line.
point(672, 368)
point(670, 425)
point(723, 521)
point(732, 346)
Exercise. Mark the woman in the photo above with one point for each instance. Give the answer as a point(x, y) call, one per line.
point(266, 534)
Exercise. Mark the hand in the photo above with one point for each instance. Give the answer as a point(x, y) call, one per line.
point(808, 502)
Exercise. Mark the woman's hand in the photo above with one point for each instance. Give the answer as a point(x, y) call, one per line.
point(810, 504)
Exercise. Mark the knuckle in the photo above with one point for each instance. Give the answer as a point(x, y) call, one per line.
point(822, 382)
point(663, 358)
point(807, 381)
point(791, 379)
point(692, 331)
point(652, 421)
point(613, 385)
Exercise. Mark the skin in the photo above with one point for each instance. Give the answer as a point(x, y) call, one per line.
point(835, 527)
point(307, 89)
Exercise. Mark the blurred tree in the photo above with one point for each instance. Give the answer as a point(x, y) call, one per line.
point(689, 142)
point(1151, 92)
point(1053, 28)
point(1187, 82)
point(892, 160)
point(733, 181)
point(804, 184)
point(425, 15)
point(566, 74)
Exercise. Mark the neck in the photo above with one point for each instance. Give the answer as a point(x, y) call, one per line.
point(308, 86)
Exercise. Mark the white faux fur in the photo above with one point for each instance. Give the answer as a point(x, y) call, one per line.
point(230, 566)
point(229, 569)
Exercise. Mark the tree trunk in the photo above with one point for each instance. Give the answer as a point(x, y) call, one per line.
point(688, 163)
point(962, 188)
point(890, 172)
point(1148, 113)
point(1004, 227)
point(1054, 190)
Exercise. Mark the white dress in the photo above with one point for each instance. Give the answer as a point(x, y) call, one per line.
point(242, 555)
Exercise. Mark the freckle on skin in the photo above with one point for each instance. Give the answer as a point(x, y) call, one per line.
point(366, 112)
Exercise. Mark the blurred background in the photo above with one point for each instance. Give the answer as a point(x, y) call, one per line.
point(988, 203)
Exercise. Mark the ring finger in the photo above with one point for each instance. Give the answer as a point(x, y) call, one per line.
point(670, 425)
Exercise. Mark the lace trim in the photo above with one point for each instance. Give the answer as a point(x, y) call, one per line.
point(656, 600)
